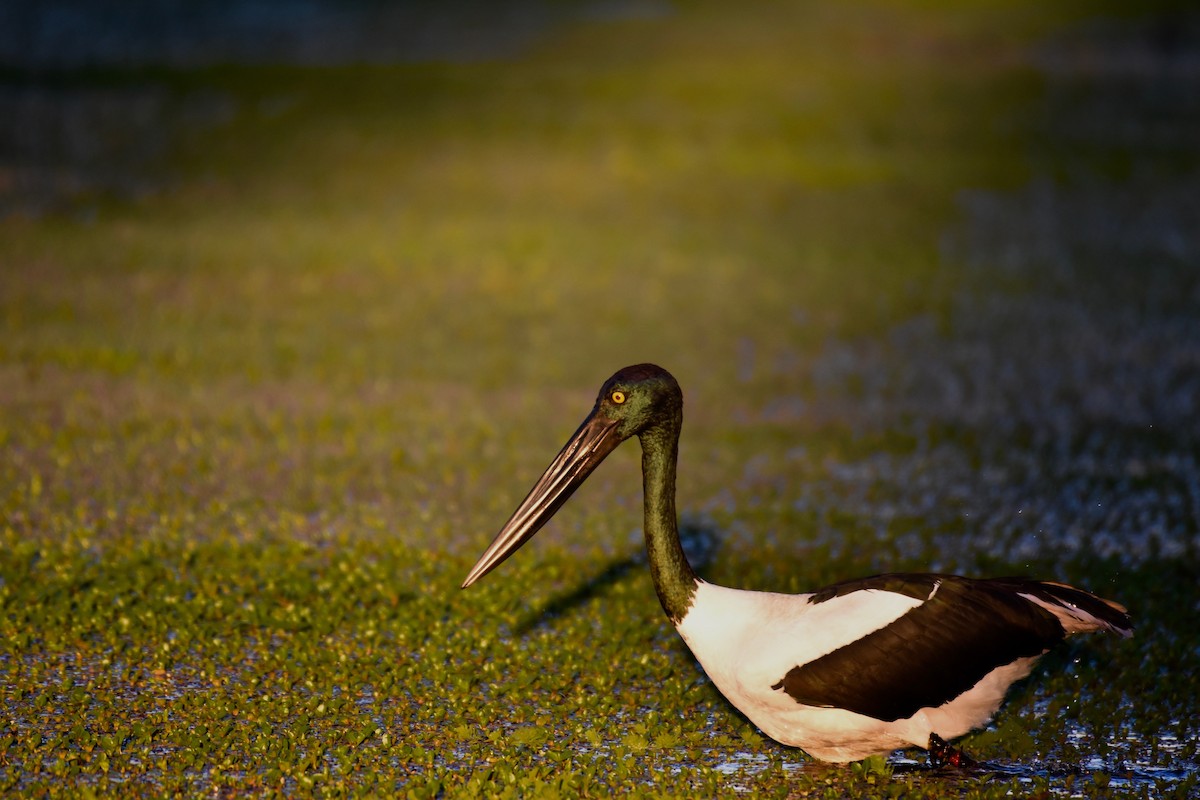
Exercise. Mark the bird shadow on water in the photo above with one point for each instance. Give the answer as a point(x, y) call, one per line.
point(564, 603)
point(699, 536)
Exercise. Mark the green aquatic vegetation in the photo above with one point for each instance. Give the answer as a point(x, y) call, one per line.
point(317, 704)
point(254, 427)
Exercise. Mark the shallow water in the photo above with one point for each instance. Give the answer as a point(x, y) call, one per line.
point(1059, 778)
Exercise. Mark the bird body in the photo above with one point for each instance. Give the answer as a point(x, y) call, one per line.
point(858, 668)
point(861, 672)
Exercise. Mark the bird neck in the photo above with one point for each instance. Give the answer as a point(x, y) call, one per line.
point(674, 580)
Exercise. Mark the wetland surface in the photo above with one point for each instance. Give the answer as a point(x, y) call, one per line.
point(288, 332)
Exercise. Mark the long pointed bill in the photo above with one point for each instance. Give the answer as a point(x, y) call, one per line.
point(583, 452)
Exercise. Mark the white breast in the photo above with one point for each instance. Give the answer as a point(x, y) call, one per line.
point(736, 632)
point(747, 641)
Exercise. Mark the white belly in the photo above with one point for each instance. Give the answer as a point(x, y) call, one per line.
point(747, 642)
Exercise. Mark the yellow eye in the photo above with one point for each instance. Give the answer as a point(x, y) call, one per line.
point(618, 397)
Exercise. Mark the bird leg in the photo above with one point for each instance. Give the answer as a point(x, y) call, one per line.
point(943, 754)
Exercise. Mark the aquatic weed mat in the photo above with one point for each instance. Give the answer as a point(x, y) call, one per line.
point(932, 305)
point(350, 664)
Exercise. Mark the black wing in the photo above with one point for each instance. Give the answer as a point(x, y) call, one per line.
point(931, 654)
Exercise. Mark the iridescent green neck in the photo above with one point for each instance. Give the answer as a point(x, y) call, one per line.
point(674, 579)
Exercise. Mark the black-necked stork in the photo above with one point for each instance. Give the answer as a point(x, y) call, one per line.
point(855, 669)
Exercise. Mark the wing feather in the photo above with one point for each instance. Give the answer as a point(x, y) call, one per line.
point(933, 653)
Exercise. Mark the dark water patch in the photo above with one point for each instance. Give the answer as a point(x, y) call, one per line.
point(65, 141)
point(63, 145)
point(69, 34)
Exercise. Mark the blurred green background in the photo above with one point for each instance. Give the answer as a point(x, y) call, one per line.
point(288, 332)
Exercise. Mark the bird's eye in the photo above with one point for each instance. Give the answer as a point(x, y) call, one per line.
point(618, 397)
